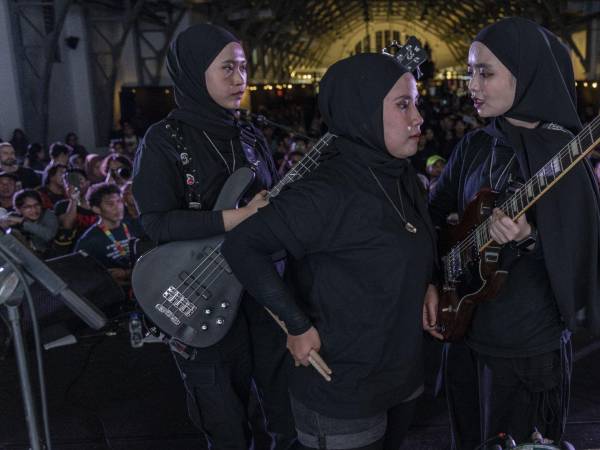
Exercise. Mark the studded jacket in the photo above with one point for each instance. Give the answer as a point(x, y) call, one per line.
point(179, 172)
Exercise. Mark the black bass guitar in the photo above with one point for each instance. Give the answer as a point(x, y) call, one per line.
point(186, 287)
point(471, 261)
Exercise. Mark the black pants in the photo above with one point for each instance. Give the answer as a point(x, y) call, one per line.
point(219, 379)
point(487, 395)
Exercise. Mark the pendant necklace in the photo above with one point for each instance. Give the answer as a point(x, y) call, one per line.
point(232, 169)
point(407, 225)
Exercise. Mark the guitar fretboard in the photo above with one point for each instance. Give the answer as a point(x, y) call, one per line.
point(526, 196)
point(304, 166)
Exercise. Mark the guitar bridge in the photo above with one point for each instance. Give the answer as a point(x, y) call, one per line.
point(179, 301)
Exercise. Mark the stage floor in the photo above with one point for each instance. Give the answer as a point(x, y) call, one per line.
point(105, 395)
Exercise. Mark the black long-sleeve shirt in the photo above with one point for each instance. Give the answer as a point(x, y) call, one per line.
point(362, 282)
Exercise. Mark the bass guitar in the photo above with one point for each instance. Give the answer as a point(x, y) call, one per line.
point(186, 287)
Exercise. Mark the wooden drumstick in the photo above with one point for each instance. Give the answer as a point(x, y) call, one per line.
point(314, 358)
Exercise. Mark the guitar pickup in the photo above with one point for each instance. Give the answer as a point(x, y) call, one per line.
point(491, 257)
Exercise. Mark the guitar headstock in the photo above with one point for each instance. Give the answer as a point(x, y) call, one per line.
point(410, 55)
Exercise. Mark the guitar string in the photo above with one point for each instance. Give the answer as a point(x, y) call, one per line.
point(297, 170)
point(483, 227)
point(315, 151)
point(300, 165)
point(211, 261)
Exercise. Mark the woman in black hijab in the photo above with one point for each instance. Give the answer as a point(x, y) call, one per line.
point(360, 233)
point(518, 347)
point(180, 168)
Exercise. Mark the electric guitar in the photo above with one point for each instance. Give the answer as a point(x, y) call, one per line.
point(471, 258)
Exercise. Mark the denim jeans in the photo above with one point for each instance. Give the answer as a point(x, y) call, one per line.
point(385, 430)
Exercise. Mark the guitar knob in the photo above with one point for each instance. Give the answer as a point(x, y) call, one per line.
point(220, 321)
point(207, 311)
point(204, 327)
point(224, 305)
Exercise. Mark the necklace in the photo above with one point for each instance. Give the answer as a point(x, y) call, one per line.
point(508, 165)
point(407, 225)
point(232, 169)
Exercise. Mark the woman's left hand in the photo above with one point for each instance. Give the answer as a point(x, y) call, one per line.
point(430, 306)
point(504, 230)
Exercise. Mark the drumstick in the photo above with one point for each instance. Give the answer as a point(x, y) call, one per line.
point(314, 358)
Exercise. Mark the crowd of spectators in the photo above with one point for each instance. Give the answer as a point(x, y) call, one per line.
point(448, 115)
point(64, 199)
point(61, 199)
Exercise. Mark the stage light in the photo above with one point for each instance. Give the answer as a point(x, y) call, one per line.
point(585, 84)
point(594, 85)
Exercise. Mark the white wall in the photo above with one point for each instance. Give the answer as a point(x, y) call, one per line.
point(11, 114)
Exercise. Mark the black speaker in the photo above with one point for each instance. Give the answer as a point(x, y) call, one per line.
point(86, 277)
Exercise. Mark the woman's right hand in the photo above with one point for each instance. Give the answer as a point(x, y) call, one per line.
point(300, 346)
point(258, 201)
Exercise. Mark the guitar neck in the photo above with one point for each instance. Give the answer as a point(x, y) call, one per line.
point(304, 166)
point(543, 180)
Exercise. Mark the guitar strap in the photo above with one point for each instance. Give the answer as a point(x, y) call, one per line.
point(189, 171)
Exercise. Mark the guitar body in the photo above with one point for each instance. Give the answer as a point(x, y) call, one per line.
point(481, 278)
point(186, 287)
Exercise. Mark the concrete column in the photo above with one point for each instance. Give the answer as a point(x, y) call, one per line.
point(78, 66)
point(11, 113)
point(593, 50)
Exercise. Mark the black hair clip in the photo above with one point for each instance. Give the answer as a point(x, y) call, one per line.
point(410, 55)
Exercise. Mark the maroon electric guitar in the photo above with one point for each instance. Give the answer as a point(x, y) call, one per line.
point(471, 257)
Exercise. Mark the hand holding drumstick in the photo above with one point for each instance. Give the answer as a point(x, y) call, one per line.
point(305, 347)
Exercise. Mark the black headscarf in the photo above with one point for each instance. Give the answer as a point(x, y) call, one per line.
point(351, 102)
point(542, 66)
point(189, 56)
point(568, 216)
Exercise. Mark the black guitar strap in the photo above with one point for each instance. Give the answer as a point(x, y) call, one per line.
point(189, 171)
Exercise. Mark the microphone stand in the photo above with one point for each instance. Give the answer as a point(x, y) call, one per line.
point(12, 305)
point(262, 120)
point(19, 268)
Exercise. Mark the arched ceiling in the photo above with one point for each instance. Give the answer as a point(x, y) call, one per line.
point(290, 35)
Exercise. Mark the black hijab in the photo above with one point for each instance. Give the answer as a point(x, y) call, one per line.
point(351, 102)
point(567, 217)
point(189, 56)
point(542, 66)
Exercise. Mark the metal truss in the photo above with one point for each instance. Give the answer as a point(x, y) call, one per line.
point(152, 34)
point(108, 24)
point(36, 29)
